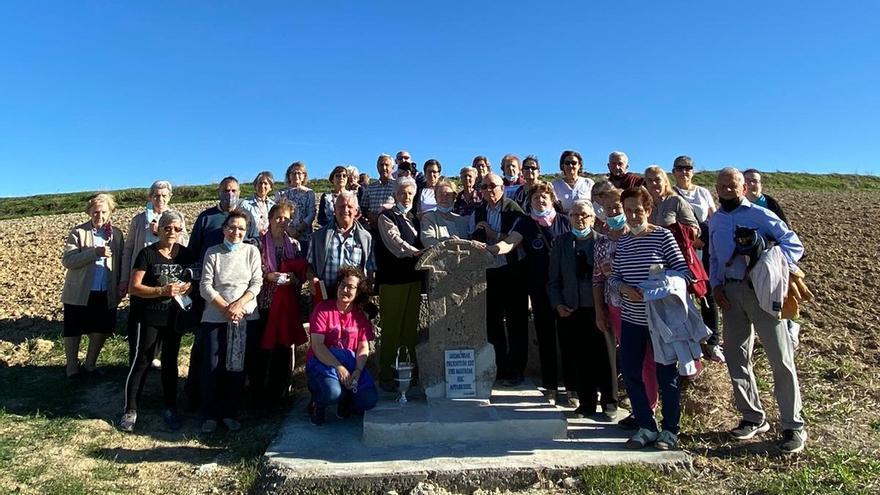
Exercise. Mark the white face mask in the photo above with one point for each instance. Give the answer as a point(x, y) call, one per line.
point(638, 229)
point(403, 209)
point(600, 211)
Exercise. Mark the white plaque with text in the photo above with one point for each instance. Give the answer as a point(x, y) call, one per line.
point(460, 376)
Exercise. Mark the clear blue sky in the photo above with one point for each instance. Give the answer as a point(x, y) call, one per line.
point(117, 94)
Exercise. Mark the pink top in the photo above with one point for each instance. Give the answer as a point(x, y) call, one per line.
point(344, 330)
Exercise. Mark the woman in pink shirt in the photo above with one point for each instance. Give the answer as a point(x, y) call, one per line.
point(340, 345)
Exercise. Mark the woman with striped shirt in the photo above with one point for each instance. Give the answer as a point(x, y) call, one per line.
point(646, 245)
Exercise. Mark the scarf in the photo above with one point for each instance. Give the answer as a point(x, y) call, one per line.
point(268, 253)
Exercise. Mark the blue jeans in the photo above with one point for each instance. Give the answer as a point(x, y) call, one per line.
point(633, 341)
point(327, 390)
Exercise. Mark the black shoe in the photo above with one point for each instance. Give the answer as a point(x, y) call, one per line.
point(793, 441)
point(316, 414)
point(629, 423)
point(563, 400)
point(580, 412)
point(343, 407)
point(747, 429)
point(513, 381)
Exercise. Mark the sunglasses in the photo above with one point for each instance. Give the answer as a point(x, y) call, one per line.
point(682, 169)
point(168, 229)
point(570, 162)
point(486, 187)
point(530, 168)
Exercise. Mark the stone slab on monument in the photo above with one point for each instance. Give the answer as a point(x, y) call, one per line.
point(512, 414)
point(454, 315)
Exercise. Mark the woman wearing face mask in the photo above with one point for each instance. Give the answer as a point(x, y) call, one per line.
point(231, 280)
point(143, 231)
point(90, 295)
point(607, 297)
point(338, 182)
point(571, 186)
point(535, 236)
point(646, 245)
point(303, 199)
point(571, 294)
point(400, 284)
point(442, 223)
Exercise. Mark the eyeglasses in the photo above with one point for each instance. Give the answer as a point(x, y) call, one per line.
point(168, 229)
point(233, 228)
point(527, 167)
point(489, 186)
point(570, 162)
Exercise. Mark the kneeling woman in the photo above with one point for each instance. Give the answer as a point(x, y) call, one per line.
point(340, 345)
point(231, 281)
point(156, 280)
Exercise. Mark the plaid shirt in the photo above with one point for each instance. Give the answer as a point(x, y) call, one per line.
point(343, 251)
point(376, 195)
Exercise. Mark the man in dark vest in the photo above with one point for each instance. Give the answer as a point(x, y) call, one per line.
point(506, 295)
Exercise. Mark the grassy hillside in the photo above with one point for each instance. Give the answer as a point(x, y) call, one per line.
point(48, 204)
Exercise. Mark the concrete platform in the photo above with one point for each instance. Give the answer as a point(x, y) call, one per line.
point(520, 414)
point(333, 457)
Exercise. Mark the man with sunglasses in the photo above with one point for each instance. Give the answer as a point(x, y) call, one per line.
point(506, 295)
point(404, 161)
point(618, 174)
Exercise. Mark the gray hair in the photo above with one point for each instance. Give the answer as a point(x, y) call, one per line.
point(403, 182)
point(467, 169)
point(170, 216)
point(346, 195)
point(264, 175)
point(583, 204)
point(105, 198)
point(620, 154)
point(602, 187)
point(160, 184)
point(732, 172)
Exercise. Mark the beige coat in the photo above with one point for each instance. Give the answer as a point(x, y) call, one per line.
point(79, 259)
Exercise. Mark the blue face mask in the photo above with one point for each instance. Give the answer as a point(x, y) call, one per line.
point(542, 214)
point(511, 178)
point(581, 233)
point(403, 209)
point(444, 209)
point(232, 246)
point(616, 222)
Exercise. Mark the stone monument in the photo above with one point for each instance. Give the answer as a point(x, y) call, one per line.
point(454, 318)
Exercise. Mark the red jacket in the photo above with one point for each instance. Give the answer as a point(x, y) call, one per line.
point(684, 237)
point(284, 326)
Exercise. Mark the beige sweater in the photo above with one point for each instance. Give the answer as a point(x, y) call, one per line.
point(79, 259)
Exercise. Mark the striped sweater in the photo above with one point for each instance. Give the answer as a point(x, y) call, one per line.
point(633, 259)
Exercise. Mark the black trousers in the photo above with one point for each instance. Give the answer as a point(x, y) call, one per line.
point(147, 337)
point(221, 389)
point(708, 307)
point(587, 350)
point(507, 314)
point(268, 371)
point(546, 331)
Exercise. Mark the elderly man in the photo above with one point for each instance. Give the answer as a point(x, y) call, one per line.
point(404, 157)
point(343, 242)
point(618, 164)
point(379, 194)
point(510, 167)
point(742, 312)
point(755, 194)
point(506, 294)
point(207, 230)
point(482, 166)
point(469, 196)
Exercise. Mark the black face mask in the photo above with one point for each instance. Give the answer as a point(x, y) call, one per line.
point(729, 205)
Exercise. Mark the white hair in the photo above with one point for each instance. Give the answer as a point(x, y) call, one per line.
point(586, 206)
point(170, 216)
point(346, 195)
point(732, 172)
point(467, 169)
point(160, 184)
point(403, 182)
point(620, 154)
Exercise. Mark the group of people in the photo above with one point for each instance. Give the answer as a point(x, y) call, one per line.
point(627, 272)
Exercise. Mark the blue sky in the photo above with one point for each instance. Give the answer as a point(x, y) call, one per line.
point(98, 95)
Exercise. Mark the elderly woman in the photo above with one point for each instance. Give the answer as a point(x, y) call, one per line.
point(91, 285)
point(231, 280)
point(259, 204)
point(143, 231)
point(703, 206)
point(400, 284)
point(571, 186)
point(426, 199)
point(531, 175)
point(646, 245)
point(156, 280)
point(338, 183)
point(442, 223)
point(535, 236)
point(469, 196)
point(606, 297)
point(269, 358)
point(340, 345)
point(584, 348)
point(303, 199)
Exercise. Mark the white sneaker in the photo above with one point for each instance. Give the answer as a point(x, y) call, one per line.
point(716, 353)
point(156, 364)
point(642, 438)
